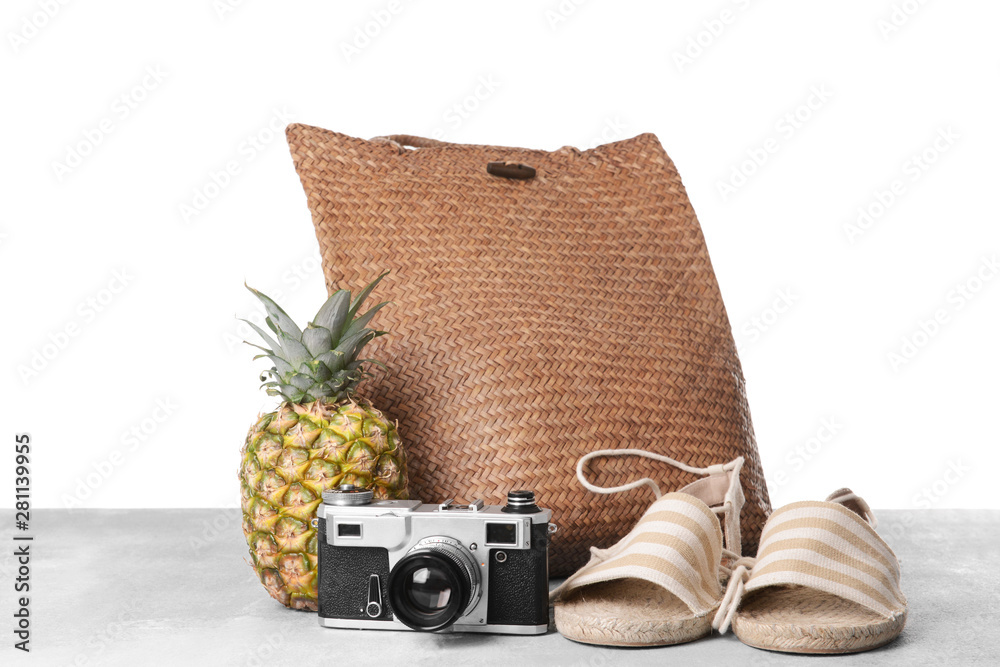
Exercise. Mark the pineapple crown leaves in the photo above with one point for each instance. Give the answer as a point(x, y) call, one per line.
point(323, 360)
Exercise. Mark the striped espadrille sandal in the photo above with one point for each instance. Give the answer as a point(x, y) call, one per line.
point(659, 584)
point(823, 582)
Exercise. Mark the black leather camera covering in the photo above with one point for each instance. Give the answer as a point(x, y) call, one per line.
point(519, 586)
point(343, 579)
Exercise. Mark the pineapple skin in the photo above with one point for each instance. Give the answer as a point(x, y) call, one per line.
point(289, 458)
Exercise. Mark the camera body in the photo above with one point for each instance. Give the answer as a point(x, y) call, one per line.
point(403, 565)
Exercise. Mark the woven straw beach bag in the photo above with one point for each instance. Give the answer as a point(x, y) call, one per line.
point(544, 306)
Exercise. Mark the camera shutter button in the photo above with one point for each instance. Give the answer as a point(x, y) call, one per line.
point(348, 495)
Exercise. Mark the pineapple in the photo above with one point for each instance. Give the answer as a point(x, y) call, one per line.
point(319, 437)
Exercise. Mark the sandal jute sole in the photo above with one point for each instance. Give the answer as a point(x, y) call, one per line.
point(822, 582)
point(802, 620)
point(658, 585)
point(628, 612)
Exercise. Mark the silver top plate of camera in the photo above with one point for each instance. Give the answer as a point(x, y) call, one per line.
point(395, 518)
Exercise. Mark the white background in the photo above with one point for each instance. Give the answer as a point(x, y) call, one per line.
point(817, 310)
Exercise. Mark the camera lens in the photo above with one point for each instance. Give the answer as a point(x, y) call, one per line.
point(430, 588)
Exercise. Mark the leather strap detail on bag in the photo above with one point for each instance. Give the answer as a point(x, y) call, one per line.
point(513, 170)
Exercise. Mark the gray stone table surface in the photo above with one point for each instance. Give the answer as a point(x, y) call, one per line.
point(174, 587)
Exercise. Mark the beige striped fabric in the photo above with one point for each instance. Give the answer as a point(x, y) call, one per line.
point(827, 547)
point(677, 545)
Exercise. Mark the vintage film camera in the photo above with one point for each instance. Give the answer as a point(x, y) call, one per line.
point(398, 564)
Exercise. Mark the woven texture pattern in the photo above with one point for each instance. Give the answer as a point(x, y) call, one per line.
point(536, 320)
point(799, 620)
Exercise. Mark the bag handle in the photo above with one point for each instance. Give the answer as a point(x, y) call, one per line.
point(402, 140)
point(511, 170)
